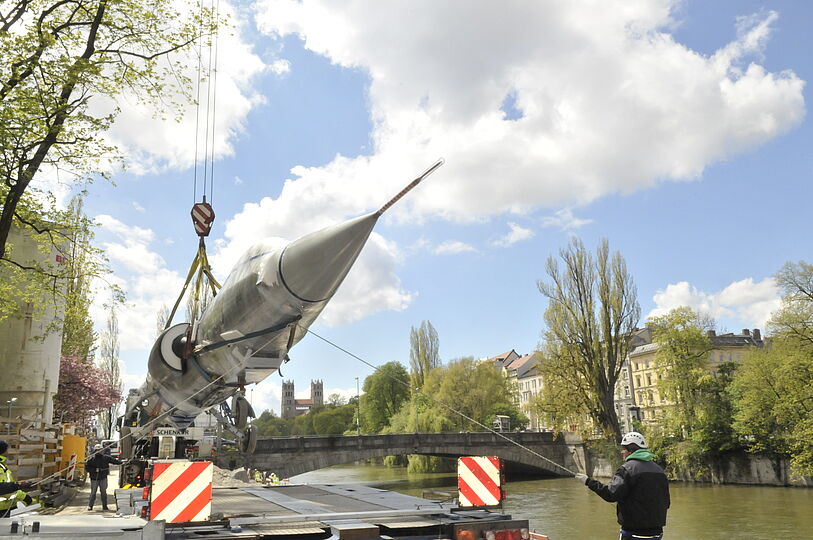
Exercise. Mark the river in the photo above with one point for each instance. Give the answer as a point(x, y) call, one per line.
point(565, 510)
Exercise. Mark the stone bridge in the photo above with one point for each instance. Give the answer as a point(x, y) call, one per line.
point(289, 456)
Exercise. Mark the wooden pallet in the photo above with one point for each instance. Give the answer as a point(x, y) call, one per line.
point(35, 448)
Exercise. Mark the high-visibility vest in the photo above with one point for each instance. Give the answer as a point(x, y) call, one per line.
point(9, 499)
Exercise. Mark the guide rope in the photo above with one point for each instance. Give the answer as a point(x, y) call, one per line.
point(436, 401)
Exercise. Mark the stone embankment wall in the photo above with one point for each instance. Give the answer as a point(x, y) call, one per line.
point(734, 468)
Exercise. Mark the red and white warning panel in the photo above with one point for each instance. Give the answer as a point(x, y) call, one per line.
point(181, 491)
point(479, 481)
point(203, 215)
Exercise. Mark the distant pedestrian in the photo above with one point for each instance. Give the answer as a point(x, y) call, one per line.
point(11, 492)
point(639, 487)
point(98, 467)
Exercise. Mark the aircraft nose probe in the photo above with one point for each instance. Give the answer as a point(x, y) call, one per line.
point(411, 185)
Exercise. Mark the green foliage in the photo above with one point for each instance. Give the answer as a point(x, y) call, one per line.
point(324, 420)
point(78, 336)
point(270, 425)
point(385, 391)
point(334, 420)
point(424, 352)
point(56, 58)
point(463, 390)
point(419, 464)
point(592, 311)
point(774, 409)
point(518, 419)
point(687, 459)
point(682, 365)
point(774, 386)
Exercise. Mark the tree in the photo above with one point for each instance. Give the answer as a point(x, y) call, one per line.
point(55, 57)
point(451, 395)
point(78, 336)
point(334, 420)
point(336, 400)
point(270, 425)
point(424, 352)
point(774, 386)
point(109, 364)
point(592, 311)
point(682, 362)
point(83, 392)
point(794, 321)
point(385, 392)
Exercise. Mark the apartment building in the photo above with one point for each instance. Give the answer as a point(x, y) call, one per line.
point(523, 372)
point(644, 374)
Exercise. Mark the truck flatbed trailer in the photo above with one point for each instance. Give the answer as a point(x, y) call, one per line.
point(340, 511)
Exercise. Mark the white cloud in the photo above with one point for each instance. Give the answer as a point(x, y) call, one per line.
point(172, 144)
point(609, 100)
point(143, 276)
point(238, 181)
point(565, 220)
point(280, 66)
point(517, 234)
point(744, 301)
point(453, 247)
point(371, 286)
point(138, 207)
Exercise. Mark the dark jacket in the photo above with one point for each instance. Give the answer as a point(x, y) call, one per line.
point(99, 466)
point(9, 487)
point(641, 490)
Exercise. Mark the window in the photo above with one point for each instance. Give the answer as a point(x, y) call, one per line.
point(626, 391)
point(649, 379)
point(638, 381)
point(647, 364)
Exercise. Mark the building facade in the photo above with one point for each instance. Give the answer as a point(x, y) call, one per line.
point(523, 372)
point(645, 373)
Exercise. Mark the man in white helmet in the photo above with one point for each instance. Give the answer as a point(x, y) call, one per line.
point(98, 467)
point(639, 487)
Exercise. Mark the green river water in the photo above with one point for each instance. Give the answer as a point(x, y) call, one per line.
point(565, 510)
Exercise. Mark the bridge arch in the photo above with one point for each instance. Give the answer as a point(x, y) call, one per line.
point(289, 456)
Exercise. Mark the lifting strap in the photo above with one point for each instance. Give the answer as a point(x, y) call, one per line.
point(202, 217)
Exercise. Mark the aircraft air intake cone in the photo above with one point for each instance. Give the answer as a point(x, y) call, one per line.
point(314, 266)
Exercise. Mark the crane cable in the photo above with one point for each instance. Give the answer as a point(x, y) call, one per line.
point(203, 214)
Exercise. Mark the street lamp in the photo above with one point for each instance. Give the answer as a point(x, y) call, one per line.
point(358, 409)
point(10, 401)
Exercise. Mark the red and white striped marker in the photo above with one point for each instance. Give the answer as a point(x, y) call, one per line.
point(181, 491)
point(479, 481)
point(71, 472)
point(203, 215)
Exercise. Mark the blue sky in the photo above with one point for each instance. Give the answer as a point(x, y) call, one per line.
point(677, 130)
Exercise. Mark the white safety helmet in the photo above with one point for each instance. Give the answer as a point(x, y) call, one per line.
point(97, 446)
point(633, 437)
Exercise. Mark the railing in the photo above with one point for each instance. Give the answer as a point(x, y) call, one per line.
point(369, 442)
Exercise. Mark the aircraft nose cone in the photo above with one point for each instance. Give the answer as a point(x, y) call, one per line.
point(313, 267)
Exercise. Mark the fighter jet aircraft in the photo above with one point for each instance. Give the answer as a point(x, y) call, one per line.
point(267, 303)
